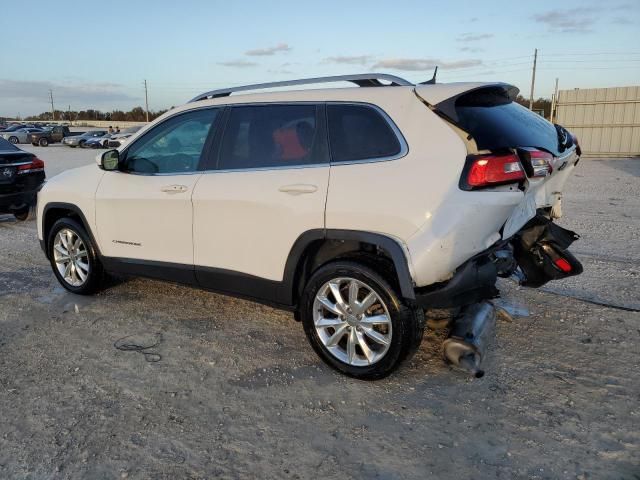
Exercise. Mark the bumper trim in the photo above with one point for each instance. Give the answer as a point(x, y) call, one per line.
point(17, 199)
point(472, 282)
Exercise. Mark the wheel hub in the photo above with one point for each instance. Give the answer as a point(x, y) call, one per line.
point(352, 321)
point(71, 257)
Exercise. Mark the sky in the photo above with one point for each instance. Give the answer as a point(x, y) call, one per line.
point(98, 54)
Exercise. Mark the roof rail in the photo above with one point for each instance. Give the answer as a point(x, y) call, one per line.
point(362, 80)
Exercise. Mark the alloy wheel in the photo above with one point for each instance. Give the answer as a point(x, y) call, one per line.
point(352, 321)
point(71, 257)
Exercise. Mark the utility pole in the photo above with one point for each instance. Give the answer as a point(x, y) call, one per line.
point(554, 103)
point(53, 112)
point(533, 78)
point(146, 99)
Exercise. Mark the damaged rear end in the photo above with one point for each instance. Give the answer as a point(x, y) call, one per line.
point(509, 149)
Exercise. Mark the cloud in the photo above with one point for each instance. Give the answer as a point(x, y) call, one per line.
point(282, 71)
point(349, 60)
point(78, 93)
point(473, 37)
point(265, 52)
point(238, 64)
point(421, 64)
point(622, 21)
point(567, 21)
point(471, 49)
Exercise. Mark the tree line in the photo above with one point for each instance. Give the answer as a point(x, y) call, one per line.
point(136, 114)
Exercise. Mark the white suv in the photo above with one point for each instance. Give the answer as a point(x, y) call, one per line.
point(355, 208)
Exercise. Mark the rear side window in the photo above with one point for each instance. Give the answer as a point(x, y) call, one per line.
point(262, 136)
point(497, 122)
point(360, 132)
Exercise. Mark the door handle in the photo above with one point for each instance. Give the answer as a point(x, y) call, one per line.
point(298, 189)
point(174, 188)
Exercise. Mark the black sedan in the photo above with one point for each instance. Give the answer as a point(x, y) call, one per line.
point(21, 176)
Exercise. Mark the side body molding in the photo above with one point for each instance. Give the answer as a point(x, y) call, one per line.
point(279, 294)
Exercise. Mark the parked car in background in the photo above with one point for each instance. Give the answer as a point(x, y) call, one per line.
point(14, 127)
point(96, 142)
point(21, 176)
point(53, 135)
point(20, 135)
point(79, 140)
point(119, 139)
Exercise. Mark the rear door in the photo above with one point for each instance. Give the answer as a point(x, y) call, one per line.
point(268, 186)
point(143, 211)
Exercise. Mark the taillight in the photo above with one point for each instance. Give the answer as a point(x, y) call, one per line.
point(36, 165)
point(563, 265)
point(537, 163)
point(491, 170)
point(541, 163)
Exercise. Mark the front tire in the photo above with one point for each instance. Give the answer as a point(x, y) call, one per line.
point(43, 142)
point(357, 323)
point(74, 258)
point(14, 140)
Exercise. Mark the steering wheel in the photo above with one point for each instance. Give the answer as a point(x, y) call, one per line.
point(142, 165)
point(182, 162)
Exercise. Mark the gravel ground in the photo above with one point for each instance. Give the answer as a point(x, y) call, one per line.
point(238, 393)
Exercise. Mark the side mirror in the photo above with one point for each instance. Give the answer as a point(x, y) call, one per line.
point(109, 160)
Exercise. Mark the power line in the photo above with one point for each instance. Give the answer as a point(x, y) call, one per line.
point(584, 53)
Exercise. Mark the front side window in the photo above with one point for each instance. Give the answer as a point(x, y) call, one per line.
point(174, 146)
point(262, 136)
point(360, 132)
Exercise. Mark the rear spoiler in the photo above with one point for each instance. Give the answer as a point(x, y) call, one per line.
point(443, 100)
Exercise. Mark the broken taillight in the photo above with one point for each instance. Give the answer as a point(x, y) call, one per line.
point(36, 165)
point(563, 265)
point(537, 163)
point(491, 170)
point(541, 163)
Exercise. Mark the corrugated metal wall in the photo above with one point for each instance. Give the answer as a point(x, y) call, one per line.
point(606, 120)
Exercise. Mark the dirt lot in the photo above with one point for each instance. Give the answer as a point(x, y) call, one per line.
point(238, 393)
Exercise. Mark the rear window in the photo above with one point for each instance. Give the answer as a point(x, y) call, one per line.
point(495, 121)
point(359, 132)
point(6, 146)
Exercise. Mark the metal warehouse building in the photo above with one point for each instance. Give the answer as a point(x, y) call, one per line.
point(606, 120)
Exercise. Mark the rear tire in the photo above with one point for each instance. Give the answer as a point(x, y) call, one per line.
point(69, 243)
point(13, 140)
point(366, 343)
point(27, 214)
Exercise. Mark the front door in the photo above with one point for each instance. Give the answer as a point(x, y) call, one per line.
point(144, 211)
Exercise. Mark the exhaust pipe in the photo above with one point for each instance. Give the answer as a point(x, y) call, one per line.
point(469, 338)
